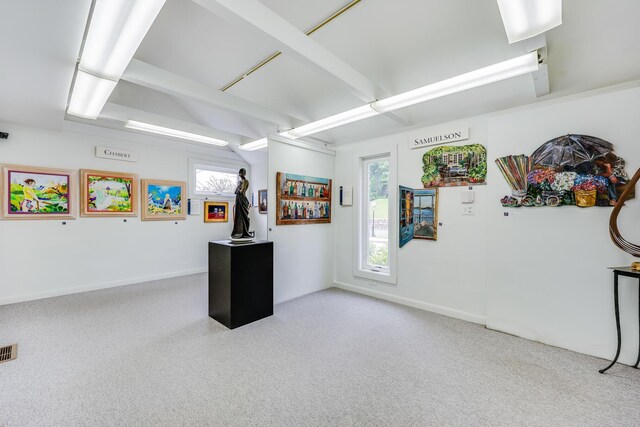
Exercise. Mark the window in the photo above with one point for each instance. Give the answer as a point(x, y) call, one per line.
point(213, 179)
point(375, 227)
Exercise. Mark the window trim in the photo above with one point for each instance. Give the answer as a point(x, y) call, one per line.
point(361, 217)
point(221, 166)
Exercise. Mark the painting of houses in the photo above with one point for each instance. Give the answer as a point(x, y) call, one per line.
point(450, 166)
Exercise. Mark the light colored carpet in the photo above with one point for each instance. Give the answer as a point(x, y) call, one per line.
point(149, 355)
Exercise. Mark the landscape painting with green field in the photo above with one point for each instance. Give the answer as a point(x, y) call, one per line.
point(109, 194)
point(37, 193)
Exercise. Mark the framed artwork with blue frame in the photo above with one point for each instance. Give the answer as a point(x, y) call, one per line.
point(418, 214)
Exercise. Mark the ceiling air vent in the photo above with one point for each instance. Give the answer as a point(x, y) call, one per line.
point(8, 353)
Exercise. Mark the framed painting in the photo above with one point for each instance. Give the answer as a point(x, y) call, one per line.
point(38, 193)
point(262, 201)
point(454, 166)
point(425, 214)
point(163, 200)
point(405, 215)
point(418, 214)
point(216, 211)
point(302, 199)
point(105, 194)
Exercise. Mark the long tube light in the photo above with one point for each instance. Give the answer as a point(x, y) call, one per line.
point(480, 77)
point(493, 73)
point(255, 145)
point(336, 120)
point(115, 32)
point(148, 127)
point(523, 19)
point(90, 93)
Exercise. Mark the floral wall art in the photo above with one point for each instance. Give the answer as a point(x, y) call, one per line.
point(572, 169)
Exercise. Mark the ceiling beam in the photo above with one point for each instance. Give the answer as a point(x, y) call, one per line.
point(297, 45)
point(156, 78)
point(123, 113)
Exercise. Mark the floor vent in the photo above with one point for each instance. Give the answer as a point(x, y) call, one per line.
point(8, 353)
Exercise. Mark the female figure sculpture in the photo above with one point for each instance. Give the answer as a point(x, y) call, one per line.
point(241, 214)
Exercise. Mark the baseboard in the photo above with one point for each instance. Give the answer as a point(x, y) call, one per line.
point(97, 286)
point(469, 317)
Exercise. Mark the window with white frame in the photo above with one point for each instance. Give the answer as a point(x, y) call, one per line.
point(213, 179)
point(374, 223)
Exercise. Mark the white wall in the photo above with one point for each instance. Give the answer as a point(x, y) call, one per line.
point(45, 258)
point(547, 276)
point(537, 273)
point(258, 181)
point(446, 276)
point(303, 260)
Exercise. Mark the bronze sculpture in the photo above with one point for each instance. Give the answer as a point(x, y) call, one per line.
point(241, 211)
point(618, 240)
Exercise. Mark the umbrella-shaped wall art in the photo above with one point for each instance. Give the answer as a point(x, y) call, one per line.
point(570, 150)
point(571, 169)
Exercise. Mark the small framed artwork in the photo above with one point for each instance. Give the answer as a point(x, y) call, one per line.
point(163, 200)
point(262, 201)
point(302, 199)
point(105, 194)
point(38, 193)
point(216, 211)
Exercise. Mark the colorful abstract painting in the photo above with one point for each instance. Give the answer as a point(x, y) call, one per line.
point(37, 193)
point(163, 200)
point(109, 193)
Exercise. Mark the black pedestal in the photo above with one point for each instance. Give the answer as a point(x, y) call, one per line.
point(240, 282)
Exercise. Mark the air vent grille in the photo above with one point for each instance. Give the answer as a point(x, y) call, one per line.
point(8, 353)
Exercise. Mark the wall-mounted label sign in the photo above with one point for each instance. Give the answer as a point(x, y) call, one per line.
point(439, 138)
point(116, 154)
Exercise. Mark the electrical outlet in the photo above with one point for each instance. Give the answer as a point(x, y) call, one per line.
point(468, 210)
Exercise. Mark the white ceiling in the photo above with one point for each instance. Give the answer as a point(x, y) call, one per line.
point(398, 45)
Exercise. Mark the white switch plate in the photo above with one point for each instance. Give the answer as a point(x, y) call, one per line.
point(468, 210)
point(467, 196)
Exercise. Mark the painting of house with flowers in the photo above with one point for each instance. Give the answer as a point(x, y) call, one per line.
point(450, 166)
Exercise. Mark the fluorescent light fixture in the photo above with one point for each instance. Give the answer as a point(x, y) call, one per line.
point(493, 73)
point(480, 77)
point(147, 127)
point(255, 145)
point(90, 93)
point(331, 122)
point(115, 32)
point(527, 18)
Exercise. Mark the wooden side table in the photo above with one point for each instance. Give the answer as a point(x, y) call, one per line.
point(627, 272)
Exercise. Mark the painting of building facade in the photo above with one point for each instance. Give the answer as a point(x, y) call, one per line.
point(450, 166)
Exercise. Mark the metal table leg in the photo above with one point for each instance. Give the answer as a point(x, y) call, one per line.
point(617, 309)
point(638, 360)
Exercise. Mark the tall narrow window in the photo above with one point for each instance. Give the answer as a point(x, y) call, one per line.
point(375, 232)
